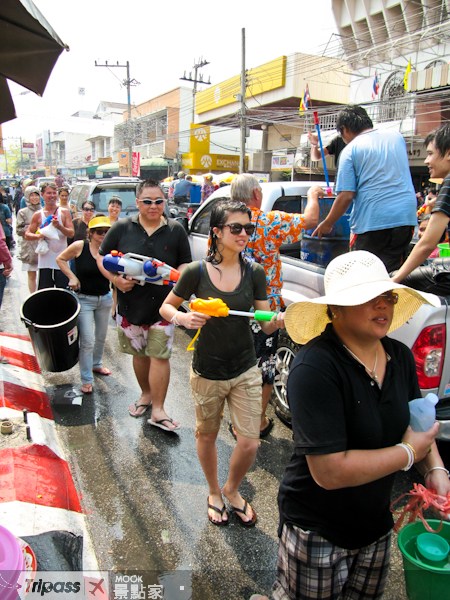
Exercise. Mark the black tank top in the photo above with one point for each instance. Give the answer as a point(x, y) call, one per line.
point(92, 281)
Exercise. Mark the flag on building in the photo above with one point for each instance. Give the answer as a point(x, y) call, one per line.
point(305, 102)
point(375, 86)
point(405, 76)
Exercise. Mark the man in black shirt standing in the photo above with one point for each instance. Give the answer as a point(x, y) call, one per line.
point(142, 333)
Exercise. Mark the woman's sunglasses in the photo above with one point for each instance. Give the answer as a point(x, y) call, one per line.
point(389, 297)
point(236, 228)
point(101, 231)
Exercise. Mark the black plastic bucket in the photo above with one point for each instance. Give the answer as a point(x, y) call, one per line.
point(51, 317)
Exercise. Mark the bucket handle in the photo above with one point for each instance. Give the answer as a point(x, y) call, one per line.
point(29, 323)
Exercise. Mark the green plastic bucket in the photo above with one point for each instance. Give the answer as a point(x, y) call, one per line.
point(424, 580)
point(444, 249)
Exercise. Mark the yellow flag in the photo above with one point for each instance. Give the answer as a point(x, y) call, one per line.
point(405, 76)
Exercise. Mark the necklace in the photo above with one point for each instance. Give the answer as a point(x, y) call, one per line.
point(371, 372)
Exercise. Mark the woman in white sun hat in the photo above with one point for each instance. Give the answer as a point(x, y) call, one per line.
point(348, 392)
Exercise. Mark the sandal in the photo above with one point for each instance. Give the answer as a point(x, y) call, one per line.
point(86, 388)
point(221, 512)
point(137, 410)
point(267, 429)
point(242, 511)
point(102, 371)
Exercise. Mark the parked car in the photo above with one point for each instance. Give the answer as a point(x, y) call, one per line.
point(100, 191)
point(40, 180)
point(426, 333)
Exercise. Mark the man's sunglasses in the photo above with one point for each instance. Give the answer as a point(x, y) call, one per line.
point(236, 228)
point(101, 231)
point(152, 202)
point(88, 209)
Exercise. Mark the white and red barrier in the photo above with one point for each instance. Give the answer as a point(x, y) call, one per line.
point(37, 491)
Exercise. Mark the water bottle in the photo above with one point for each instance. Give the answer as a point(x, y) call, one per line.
point(423, 412)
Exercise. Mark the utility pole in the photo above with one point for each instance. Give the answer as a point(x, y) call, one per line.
point(194, 79)
point(241, 96)
point(128, 82)
point(50, 161)
point(21, 156)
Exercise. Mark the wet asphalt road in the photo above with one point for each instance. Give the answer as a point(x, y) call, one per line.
point(144, 492)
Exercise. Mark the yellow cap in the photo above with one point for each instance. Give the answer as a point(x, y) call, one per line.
point(99, 222)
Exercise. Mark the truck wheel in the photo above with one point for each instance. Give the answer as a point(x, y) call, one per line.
point(286, 351)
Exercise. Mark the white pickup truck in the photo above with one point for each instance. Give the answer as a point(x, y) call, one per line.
point(304, 264)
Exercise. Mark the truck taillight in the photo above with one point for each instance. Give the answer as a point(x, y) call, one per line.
point(429, 352)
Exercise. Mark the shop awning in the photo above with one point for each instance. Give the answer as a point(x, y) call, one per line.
point(108, 168)
point(155, 163)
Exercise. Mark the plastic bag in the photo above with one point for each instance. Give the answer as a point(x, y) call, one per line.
point(50, 232)
point(42, 247)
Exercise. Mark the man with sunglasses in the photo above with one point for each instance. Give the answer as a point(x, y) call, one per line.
point(141, 331)
point(374, 175)
point(272, 229)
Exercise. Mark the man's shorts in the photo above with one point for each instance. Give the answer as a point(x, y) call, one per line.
point(266, 352)
point(154, 341)
point(244, 396)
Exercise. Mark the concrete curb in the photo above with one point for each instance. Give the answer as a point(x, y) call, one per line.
point(37, 490)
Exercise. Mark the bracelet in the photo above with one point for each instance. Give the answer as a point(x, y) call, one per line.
point(174, 320)
point(412, 450)
point(436, 469)
point(409, 452)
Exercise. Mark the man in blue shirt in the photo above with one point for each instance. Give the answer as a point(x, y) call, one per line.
point(182, 189)
point(373, 174)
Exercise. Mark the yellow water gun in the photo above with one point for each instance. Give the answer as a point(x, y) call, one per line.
point(216, 307)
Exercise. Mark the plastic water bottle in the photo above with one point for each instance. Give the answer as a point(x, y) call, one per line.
point(423, 412)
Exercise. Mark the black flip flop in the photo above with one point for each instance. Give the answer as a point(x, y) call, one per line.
point(267, 429)
point(242, 511)
point(220, 512)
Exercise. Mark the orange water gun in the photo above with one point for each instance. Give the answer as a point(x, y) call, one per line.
point(216, 307)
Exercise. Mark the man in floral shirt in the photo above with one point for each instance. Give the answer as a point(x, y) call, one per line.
point(273, 228)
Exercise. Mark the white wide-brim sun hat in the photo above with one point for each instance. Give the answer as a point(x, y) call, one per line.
point(352, 279)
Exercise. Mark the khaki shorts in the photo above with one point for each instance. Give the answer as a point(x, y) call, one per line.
point(244, 397)
point(154, 341)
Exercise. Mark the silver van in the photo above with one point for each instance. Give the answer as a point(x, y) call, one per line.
point(100, 192)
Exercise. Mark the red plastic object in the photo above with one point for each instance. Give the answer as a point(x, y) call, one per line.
point(37, 475)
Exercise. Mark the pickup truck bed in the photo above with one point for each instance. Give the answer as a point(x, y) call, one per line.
point(426, 333)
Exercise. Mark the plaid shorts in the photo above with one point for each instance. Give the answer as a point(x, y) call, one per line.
point(311, 568)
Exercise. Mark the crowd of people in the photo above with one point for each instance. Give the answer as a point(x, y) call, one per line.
point(349, 385)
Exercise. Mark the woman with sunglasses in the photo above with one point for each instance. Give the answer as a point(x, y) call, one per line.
point(348, 390)
point(224, 363)
point(80, 225)
point(95, 298)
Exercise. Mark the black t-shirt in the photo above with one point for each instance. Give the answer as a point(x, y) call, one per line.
point(91, 280)
point(335, 407)
point(169, 244)
point(443, 200)
point(225, 347)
